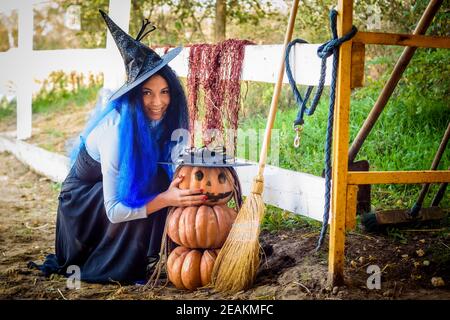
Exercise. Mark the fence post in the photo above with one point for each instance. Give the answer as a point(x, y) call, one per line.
point(119, 11)
point(23, 78)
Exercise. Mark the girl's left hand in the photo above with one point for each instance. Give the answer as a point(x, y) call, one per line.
point(176, 197)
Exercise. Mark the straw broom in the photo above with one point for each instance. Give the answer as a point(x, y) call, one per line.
point(238, 261)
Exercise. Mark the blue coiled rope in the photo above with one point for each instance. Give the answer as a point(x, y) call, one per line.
point(324, 51)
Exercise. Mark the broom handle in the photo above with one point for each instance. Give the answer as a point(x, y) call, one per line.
point(276, 94)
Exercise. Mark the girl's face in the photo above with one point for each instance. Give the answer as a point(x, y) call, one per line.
point(155, 97)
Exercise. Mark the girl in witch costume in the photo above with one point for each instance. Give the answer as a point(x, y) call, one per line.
point(113, 203)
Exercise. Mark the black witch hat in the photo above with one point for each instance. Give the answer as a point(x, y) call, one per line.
point(206, 157)
point(140, 61)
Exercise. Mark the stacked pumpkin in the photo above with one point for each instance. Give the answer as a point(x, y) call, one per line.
point(200, 231)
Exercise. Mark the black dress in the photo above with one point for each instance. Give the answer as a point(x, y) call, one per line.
point(86, 238)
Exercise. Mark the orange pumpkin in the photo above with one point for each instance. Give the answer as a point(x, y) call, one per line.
point(214, 182)
point(190, 269)
point(200, 227)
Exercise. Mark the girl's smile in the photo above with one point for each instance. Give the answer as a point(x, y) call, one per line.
point(155, 97)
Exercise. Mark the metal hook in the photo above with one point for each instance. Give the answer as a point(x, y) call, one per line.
point(298, 130)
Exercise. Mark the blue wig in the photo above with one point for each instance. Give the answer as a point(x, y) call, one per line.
point(142, 145)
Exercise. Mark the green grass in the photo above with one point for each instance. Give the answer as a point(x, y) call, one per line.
point(7, 109)
point(405, 137)
point(397, 235)
point(52, 102)
point(54, 132)
point(56, 186)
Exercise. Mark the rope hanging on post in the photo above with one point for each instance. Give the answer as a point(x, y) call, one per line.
point(297, 95)
point(324, 51)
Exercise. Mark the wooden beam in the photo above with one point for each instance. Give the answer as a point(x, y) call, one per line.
point(350, 215)
point(340, 149)
point(397, 39)
point(358, 58)
point(398, 177)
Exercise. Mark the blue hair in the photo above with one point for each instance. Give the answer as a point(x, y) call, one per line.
point(140, 145)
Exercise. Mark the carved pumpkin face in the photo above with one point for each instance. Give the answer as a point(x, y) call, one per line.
point(214, 181)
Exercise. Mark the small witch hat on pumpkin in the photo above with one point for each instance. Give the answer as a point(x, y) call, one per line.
point(141, 62)
point(206, 157)
point(211, 170)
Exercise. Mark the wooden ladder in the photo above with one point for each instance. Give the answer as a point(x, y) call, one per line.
point(350, 75)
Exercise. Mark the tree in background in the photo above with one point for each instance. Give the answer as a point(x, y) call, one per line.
point(52, 29)
point(190, 22)
point(262, 22)
point(8, 30)
point(220, 21)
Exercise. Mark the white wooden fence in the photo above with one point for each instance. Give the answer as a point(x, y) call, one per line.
point(294, 191)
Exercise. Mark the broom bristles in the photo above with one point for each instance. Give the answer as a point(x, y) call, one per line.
point(238, 261)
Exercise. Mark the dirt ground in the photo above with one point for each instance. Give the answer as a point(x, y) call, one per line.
point(52, 131)
point(290, 270)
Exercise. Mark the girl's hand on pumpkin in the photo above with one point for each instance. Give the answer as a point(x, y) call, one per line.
point(176, 197)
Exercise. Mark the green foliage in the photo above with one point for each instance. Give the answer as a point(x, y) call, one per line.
point(193, 21)
point(440, 25)
point(51, 32)
point(397, 235)
point(405, 137)
point(8, 30)
point(56, 186)
point(178, 22)
point(54, 132)
point(7, 108)
point(430, 71)
point(57, 101)
point(185, 22)
point(427, 78)
point(246, 11)
point(62, 89)
point(58, 91)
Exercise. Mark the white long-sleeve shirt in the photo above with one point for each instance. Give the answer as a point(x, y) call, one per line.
point(102, 145)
